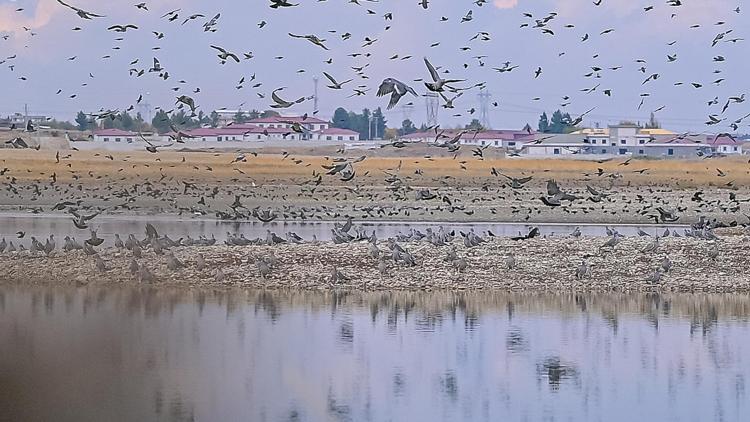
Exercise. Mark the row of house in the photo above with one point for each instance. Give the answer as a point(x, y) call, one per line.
point(258, 130)
point(624, 139)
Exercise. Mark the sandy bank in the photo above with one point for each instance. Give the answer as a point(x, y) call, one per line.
point(540, 265)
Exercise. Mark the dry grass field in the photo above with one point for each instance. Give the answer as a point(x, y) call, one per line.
point(275, 168)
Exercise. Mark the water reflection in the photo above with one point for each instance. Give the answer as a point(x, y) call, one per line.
point(178, 355)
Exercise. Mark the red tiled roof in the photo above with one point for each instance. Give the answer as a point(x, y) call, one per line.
point(268, 130)
point(281, 119)
point(723, 140)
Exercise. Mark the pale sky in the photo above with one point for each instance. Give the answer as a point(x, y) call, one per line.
point(42, 58)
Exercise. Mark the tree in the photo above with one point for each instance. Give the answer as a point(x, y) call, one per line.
point(543, 123)
point(269, 113)
point(652, 122)
point(363, 124)
point(253, 114)
point(240, 117)
point(161, 121)
point(474, 125)
point(60, 124)
point(125, 121)
point(341, 119)
point(379, 123)
point(407, 127)
point(214, 119)
point(560, 123)
point(139, 123)
point(83, 121)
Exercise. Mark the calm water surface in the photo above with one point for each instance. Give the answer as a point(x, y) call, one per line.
point(89, 354)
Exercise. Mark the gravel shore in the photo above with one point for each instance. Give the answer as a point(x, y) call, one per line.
point(541, 265)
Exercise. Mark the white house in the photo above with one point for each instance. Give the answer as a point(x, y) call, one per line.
point(115, 136)
point(268, 130)
point(725, 144)
point(555, 145)
point(508, 139)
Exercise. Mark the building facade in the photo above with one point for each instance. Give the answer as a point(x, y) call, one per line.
point(282, 128)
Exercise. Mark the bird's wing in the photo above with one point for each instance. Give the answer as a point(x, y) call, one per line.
point(276, 98)
point(552, 188)
point(218, 48)
point(330, 78)
point(386, 88)
point(433, 72)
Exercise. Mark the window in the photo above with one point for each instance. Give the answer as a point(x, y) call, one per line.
point(328, 138)
point(106, 139)
point(735, 149)
point(642, 152)
point(130, 140)
point(510, 144)
point(604, 150)
point(622, 142)
point(351, 138)
point(218, 138)
point(340, 138)
point(556, 151)
point(117, 139)
point(641, 141)
point(258, 136)
point(623, 151)
point(496, 143)
point(482, 143)
point(670, 151)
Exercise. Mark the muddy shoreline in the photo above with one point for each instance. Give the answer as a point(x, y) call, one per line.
point(541, 265)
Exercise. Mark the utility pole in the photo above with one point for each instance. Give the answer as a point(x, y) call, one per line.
point(25, 114)
point(407, 110)
point(315, 95)
point(433, 105)
point(484, 108)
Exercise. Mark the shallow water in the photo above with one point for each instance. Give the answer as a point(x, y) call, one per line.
point(41, 226)
point(90, 354)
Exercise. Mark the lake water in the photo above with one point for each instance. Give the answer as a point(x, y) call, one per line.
point(91, 354)
point(42, 225)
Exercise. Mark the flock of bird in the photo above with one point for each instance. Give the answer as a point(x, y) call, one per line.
point(439, 81)
point(156, 251)
point(402, 194)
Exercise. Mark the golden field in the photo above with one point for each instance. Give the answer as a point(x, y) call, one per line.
point(207, 167)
